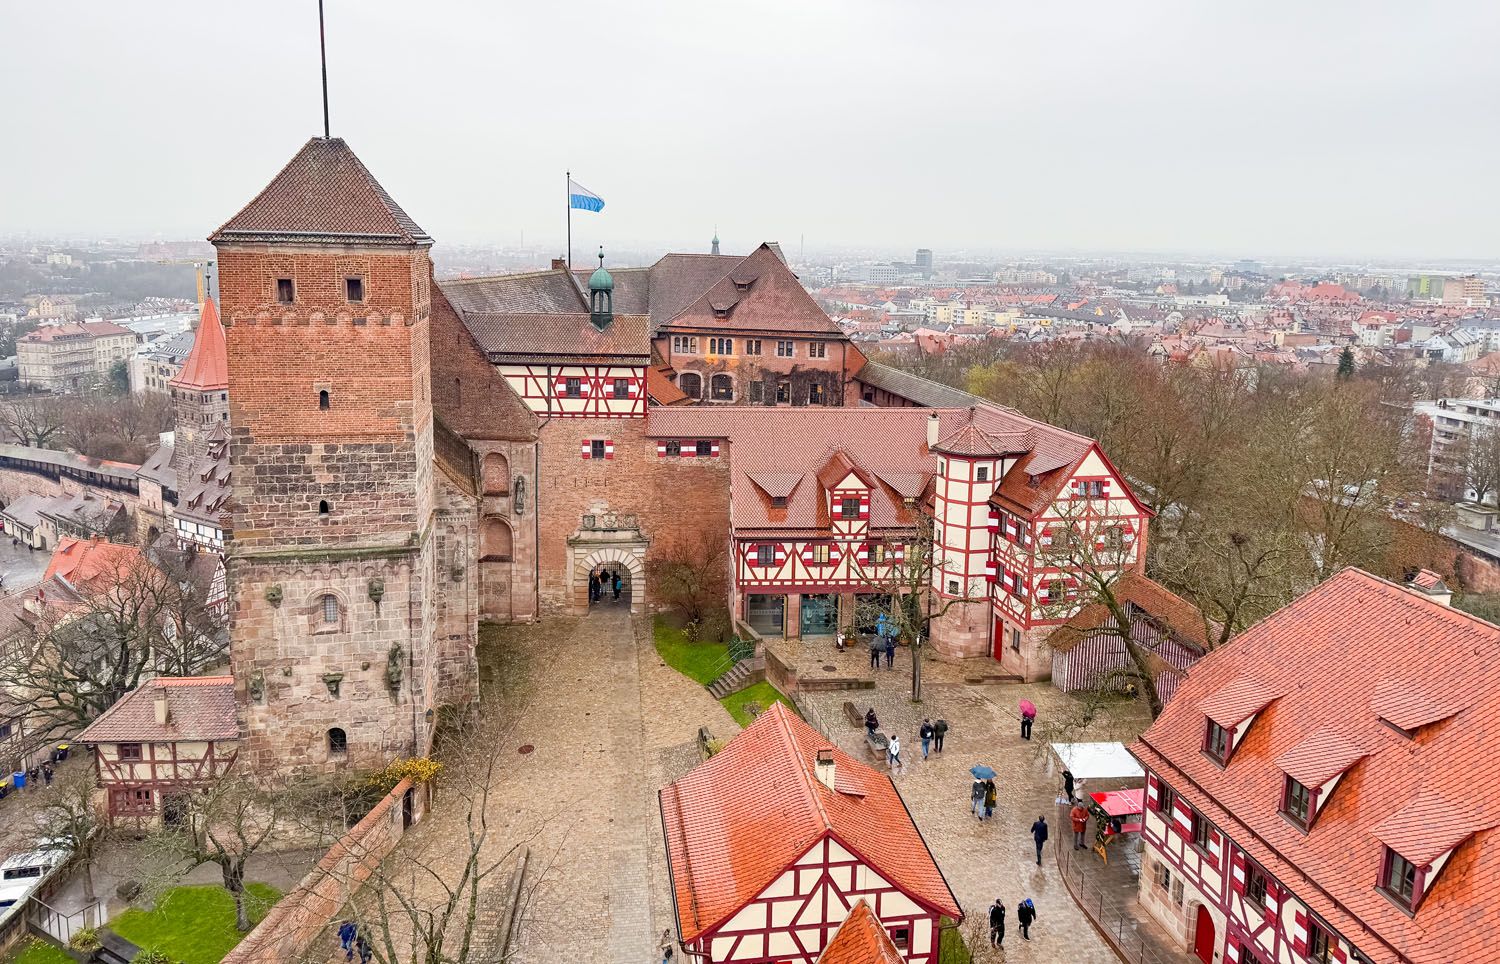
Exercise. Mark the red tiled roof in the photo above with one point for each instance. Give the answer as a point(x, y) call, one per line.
point(758, 294)
point(84, 562)
point(207, 365)
point(1327, 655)
point(1412, 704)
point(1323, 755)
point(1156, 601)
point(661, 389)
point(198, 708)
point(1235, 703)
point(324, 193)
point(737, 821)
point(861, 939)
point(86, 329)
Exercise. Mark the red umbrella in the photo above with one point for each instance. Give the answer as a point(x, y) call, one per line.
point(1028, 708)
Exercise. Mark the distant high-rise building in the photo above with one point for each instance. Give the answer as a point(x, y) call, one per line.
point(924, 262)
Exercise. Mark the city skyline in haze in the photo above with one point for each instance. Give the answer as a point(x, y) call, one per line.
point(1342, 130)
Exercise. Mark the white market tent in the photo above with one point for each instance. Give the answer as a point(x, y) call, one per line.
point(1098, 761)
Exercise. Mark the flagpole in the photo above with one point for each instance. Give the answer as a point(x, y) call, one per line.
point(568, 198)
point(323, 56)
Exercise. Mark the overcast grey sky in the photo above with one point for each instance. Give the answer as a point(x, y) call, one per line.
point(1256, 128)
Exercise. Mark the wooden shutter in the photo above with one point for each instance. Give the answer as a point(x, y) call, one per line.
point(561, 387)
point(805, 552)
point(1104, 488)
point(661, 450)
point(1047, 537)
point(900, 552)
point(609, 448)
point(1153, 791)
point(714, 450)
point(990, 570)
point(1299, 932)
point(780, 553)
point(1182, 818)
point(864, 505)
point(1215, 845)
point(1273, 902)
point(864, 553)
point(994, 523)
point(1232, 952)
point(1238, 872)
point(587, 444)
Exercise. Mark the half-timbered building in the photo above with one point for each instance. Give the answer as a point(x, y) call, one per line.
point(1317, 789)
point(161, 740)
point(773, 841)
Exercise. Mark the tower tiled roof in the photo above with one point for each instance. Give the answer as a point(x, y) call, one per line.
point(737, 821)
point(207, 365)
point(1332, 659)
point(198, 708)
point(324, 194)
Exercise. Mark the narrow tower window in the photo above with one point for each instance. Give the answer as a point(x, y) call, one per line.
point(323, 399)
point(330, 608)
point(286, 292)
point(338, 742)
point(323, 510)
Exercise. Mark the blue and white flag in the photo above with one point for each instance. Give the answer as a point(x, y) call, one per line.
point(582, 198)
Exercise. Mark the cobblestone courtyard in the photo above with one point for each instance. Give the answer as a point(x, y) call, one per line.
point(596, 723)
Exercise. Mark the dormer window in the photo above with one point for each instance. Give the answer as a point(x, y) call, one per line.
point(849, 508)
point(1217, 743)
point(1402, 880)
point(1297, 803)
point(778, 502)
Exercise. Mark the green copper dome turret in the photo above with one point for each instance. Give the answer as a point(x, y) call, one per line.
point(600, 280)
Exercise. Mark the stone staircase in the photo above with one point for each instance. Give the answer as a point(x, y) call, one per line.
point(739, 676)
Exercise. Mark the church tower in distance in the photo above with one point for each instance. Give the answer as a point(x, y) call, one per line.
point(324, 291)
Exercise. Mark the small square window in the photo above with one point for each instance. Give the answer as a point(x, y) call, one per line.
point(596, 448)
point(816, 394)
point(354, 290)
point(848, 508)
point(982, 474)
point(901, 937)
point(1298, 804)
point(765, 555)
point(330, 608)
point(752, 346)
point(778, 502)
point(1400, 879)
point(1161, 875)
point(1201, 831)
point(786, 349)
point(1165, 800)
point(286, 292)
point(817, 349)
point(1255, 885)
point(953, 587)
point(1216, 744)
point(1319, 944)
point(674, 448)
point(820, 555)
point(704, 448)
point(622, 388)
point(573, 388)
point(783, 392)
point(129, 751)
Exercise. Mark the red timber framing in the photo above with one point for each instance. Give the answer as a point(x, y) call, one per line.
point(794, 564)
point(136, 787)
point(794, 918)
point(580, 391)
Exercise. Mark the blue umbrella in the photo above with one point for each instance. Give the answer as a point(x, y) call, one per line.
point(982, 772)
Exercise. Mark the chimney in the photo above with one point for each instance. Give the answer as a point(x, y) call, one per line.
point(932, 430)
point(559, 264)
point(823, 769)
point(161, 706)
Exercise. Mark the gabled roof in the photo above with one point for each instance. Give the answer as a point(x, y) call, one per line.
point(1327, 654)
point(838, 468)
point(737, 821)
point(1410, 704)
point(758, 294)
point(661, 389)
point(88, 562)
point(1236, 702)
point(198, 708)
point(323, 194)
point(1323, 755)
point(1154, 601)
point(207, 365)
point(861, 939)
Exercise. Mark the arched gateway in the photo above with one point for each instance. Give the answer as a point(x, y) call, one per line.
point(613, 542)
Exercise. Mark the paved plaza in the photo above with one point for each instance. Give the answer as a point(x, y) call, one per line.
point(595, 723)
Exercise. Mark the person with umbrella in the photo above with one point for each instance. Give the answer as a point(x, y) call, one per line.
point(1028, 716)
point(978, 792)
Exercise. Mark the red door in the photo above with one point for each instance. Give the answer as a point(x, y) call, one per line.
point(997, 639)
point(1205, 943)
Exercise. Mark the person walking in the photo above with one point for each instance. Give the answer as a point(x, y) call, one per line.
point(346, 939)
point(997, 923)
point(939, 730)
point(363, 947)
point(47, 773)
point(1025, 915)
point(875, 647)
point(976, 799)
point(668, 947)
point(1080, 818)
point(872, 723)
point(1068, 785)
point(989, 799)
point(890, 652)
point(618, 584)
point(894, 750)
point(1028, 717)
point(841, 640)
point(925, 734)
point(1039, 834)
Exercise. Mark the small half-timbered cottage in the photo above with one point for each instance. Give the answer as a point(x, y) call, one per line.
point(1317, 790)
point(160, 740)
point(773, 841)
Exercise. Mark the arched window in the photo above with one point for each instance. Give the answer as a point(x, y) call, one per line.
point(496, 474)
point(338, 742)
point(322, 507)
point(330, 608)
point(495, 540)
point(323, 399)
point(691, 384)
point(721, 387)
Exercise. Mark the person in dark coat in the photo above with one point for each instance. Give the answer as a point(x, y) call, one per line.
point(997, 923)
point(989, 799)
point(976, 799)
point(939, 730)
point(47, 772)
point(875, 646)
point(1039, 834)
point(347, 931)
point(1025, 914)
point(1068, 785)
point(890, 652)
point(593, 587)
point(617, 583)
point(872, 723)
point(365, 950)
point(925, 735)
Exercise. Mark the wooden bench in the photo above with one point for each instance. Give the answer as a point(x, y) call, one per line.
point(855, 717)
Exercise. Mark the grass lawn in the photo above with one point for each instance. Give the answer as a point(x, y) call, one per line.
point(951, 947)
point(763, 693)
point(699, 661)
point(40, 952)
point(193, 925)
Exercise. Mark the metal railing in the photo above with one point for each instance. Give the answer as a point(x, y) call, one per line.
point(61, 926)
point(737, 651)
point(1118, 917)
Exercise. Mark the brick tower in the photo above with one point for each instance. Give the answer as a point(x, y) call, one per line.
point(324, 284)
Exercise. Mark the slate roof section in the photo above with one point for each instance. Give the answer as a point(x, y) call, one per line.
point(532, 293)
point(560, 338)
point(199, 708)
point(737, 821)
point(861, 939)
point(158, 467)
point(760, 294)
point(1328, 653)
point(207, 365)
point(204, 488)
point(323, 194)
point(915, 388)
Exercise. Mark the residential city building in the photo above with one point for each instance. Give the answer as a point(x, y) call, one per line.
point(73, 355)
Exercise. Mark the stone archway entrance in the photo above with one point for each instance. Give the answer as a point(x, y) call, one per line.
point(613, 543)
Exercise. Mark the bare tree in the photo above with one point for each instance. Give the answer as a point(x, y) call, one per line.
point(68, 814)
point(1480, 459)
point(693, 578)
point(34, 420)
